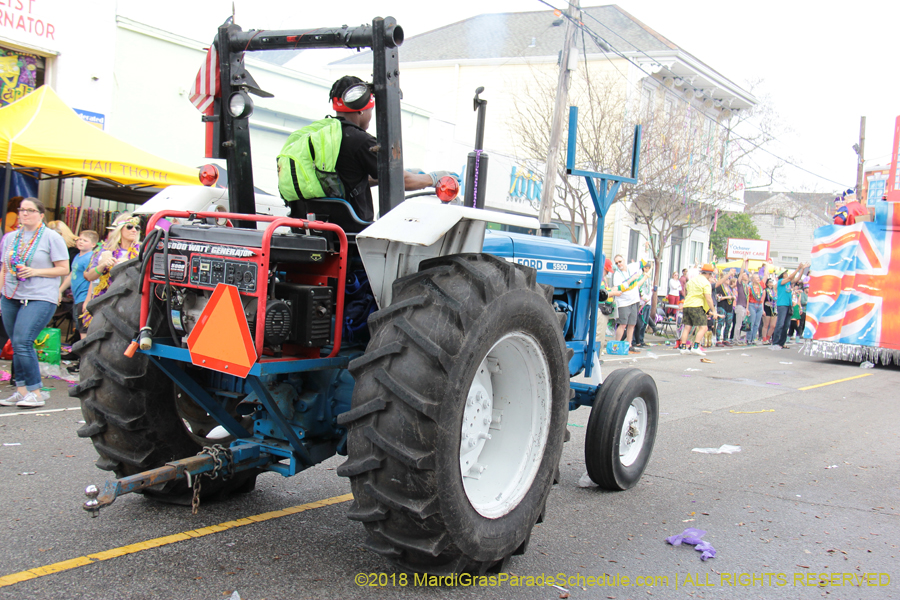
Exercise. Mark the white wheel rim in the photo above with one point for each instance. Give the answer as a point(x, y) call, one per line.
point(634, 432)
point(505, 425)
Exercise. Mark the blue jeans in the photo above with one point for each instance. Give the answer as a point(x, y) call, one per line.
point(756, 313)
point(24, 322)
point(782, 325)
point(723, 326)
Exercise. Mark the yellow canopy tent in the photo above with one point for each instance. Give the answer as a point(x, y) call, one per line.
point(42, 136)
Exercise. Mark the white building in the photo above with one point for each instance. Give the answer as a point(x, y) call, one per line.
point(788, 221)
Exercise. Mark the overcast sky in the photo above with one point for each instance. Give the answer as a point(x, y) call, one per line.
point(823, 64)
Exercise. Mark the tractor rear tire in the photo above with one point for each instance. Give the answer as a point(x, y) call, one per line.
point(458, 416)
point(130, 407)
point(621, 429)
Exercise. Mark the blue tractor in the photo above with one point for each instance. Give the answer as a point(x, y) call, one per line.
point(229, 348)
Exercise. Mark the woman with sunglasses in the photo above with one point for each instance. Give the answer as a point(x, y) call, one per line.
point(34, 258)
point(121, 244)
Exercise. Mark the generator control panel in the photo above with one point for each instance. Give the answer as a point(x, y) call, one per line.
point(206, 272)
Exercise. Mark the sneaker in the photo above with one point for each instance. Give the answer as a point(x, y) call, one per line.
point(775, 347)
point(684, 350)
point(31, 400)
point(12, 400)
point(45, 395)
point(698, 351)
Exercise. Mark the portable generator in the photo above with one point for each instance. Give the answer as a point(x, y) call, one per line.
point(288, 287)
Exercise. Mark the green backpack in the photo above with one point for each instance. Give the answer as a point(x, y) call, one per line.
point(306, 162)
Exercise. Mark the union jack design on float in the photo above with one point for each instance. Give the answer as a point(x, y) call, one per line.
point(854, 291)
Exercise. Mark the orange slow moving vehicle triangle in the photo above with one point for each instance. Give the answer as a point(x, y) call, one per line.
point(221, 340)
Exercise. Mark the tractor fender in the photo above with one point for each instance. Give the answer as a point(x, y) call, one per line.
point(423, 228)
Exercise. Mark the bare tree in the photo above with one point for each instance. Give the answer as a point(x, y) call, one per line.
point(692, 161)
point(599, 140)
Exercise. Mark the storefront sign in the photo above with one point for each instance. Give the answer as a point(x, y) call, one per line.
point(98, 120)
point(751, 249)
point(26, 17)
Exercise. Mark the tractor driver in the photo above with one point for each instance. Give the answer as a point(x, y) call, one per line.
point(353, 101)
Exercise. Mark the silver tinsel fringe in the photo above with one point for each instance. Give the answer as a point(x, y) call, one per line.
point(850, 352)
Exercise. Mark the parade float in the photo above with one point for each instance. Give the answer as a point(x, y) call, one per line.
point(853, 312)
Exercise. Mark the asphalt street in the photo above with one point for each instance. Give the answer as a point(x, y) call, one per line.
point(809, 508)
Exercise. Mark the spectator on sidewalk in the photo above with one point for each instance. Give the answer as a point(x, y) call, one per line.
point(86, 243)
point(804, 298)
point(783, 300)
point(34, 260)
point(698, 307)
point(769, 313)
point(646, 302)
point(675, 294)
point(122, 244)
point(683, 280)
point(606, 312)
point(756, 295)
point(725, 296)
point(740, 302)
point(626, 283)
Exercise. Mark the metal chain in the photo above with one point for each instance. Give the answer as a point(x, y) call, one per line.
point(221, 468)
point(195, 500)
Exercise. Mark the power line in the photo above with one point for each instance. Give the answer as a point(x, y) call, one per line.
point(595, 36)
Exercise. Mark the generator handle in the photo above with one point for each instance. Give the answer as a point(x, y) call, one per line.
point(274, 223)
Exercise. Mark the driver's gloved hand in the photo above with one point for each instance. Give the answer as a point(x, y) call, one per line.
point(436, 176)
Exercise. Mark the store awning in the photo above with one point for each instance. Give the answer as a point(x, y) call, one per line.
point(41, 134)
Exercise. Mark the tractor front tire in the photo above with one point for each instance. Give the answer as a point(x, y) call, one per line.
point(130, 407)
point(621, 429)
point(458, 416)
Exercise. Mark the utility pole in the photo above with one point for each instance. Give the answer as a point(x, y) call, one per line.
point(862, 154)
point(559, 115)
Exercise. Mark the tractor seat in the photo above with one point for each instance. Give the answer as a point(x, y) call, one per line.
point(337, 211)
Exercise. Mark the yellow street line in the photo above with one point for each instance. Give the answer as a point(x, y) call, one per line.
point(82, 561)
point(818, 385)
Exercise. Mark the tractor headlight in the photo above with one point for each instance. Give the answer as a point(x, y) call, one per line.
point(240, 105)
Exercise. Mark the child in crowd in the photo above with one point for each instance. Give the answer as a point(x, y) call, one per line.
point(86, 243)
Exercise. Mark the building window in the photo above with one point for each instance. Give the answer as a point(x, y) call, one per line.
point(790, 259)
point(634, 242)
point(778, 221)
point(696, 253)
point(675, 258)
point(646, 101)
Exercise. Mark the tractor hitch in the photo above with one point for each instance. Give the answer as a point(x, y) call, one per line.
point(212, 461)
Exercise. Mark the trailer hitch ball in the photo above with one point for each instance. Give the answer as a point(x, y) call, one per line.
point(92, 505)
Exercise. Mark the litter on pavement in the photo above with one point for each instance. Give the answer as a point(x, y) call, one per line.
point(692, 536)
point(723, 449)
point(586, 481)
